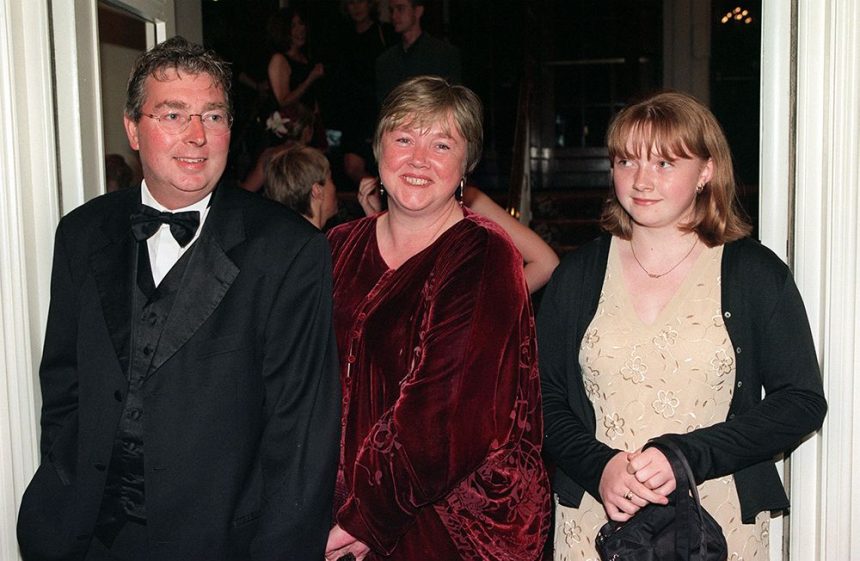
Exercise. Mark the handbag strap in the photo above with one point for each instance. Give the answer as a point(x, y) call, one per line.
point(685, 486)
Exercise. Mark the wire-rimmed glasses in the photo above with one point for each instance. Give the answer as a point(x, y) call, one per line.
point(175, 121)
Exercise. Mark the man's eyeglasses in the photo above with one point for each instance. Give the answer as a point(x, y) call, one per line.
point(217, 122)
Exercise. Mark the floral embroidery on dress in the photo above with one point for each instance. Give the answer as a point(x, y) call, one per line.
point(591, 338)
point(382, 439)
point(691, 428)
point(614, 425)
point(592, 388)
point(634, 370)
point(666, 403)
point(665, 338)
point(722, 364)
point(572, 533)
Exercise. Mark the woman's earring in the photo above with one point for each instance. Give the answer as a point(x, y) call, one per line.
point(381, 190)
point(699, 189)
point(459, 194)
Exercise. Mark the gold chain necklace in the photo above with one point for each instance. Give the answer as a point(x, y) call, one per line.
point(675, 266)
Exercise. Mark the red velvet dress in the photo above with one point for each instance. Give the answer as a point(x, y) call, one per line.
point(442, 427)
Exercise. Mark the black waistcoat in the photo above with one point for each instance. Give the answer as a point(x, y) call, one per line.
point(124, 490)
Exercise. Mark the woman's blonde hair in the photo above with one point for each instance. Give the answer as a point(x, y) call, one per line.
point(425, 100)
point(292, 174)
point(677, 125)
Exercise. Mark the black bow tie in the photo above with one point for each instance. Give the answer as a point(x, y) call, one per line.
point(147, 220)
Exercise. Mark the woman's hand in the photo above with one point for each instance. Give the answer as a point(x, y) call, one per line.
point(317, 72)
point(341, 543)
point(368, 195)
point(622, 494)
point(651, 468)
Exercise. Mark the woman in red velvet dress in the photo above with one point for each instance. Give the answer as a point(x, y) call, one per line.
point(442, 430)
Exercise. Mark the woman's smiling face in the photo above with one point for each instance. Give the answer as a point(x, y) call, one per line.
point(421, 167)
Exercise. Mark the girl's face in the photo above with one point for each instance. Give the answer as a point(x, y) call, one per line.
point(659, 191)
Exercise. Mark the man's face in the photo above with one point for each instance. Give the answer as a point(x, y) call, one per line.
point(180, 168)
point(404, 16)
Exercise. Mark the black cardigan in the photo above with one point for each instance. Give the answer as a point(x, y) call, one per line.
point(768, 327)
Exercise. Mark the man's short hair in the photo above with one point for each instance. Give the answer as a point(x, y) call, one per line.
point(178, 54)
point(292, 174)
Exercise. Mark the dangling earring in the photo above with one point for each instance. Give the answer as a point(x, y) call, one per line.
point(699, 189)
point(381, 190)
point(459, 194)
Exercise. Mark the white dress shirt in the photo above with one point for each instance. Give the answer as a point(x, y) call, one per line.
point(164, 250)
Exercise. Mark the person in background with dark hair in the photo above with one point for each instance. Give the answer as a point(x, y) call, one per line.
point(118, 174)
point(292, 73)
point(418, 53)
point(300, 179)
point(190, 396)
point(366, 39)
point(673, 324)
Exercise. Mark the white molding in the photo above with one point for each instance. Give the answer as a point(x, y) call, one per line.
point(809, 250)
point(825, 516)
point(28, 213)
point(775, 110)
point(775, 104)
point(78, 99)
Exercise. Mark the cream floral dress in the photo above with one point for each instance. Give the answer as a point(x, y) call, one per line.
point(674, 375)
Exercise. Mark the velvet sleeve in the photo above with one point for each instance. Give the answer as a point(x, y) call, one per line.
point(299, 446)
point(784, 364)
point(569, 431)
point(455, 405)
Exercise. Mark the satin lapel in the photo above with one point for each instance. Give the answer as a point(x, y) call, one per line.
point(208, 276)
point(112, 264)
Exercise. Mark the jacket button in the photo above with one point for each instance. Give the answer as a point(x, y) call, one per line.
point(117, 395)
point(738, 350)
point(100, 466)
point(732, 416)
point(727, 315)
point(740, 384)
point(147, 350)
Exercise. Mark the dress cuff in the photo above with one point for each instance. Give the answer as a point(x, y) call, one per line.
point(350, 518)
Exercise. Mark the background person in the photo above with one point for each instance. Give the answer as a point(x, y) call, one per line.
point(673, 323)
point(363, 42)
point(293, 74)
point(300, 178)
point(441, 421)
point(189, 386)
point(294, 129)
point(118, 174)
point(418, 53)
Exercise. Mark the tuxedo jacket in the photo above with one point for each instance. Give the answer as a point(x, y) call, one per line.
point(241, 399)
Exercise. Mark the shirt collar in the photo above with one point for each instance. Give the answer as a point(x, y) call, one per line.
point(147, 199)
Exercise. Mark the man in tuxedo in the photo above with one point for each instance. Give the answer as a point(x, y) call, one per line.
point(191, 401)
point(418, 52)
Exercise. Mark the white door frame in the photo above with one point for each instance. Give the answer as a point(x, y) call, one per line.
point(810, 215)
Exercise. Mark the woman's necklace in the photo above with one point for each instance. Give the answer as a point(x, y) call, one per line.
point(675, 266)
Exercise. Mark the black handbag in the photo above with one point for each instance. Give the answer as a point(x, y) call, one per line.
point(679, 531)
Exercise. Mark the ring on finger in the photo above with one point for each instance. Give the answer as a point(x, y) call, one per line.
point(628, 495)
